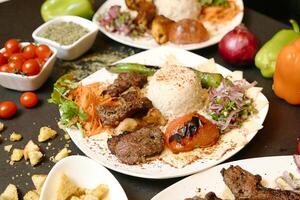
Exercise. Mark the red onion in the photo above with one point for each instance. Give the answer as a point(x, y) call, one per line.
point(238, 46)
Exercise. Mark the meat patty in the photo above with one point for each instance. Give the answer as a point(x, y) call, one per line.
point(208, 196)
point(124, 82)
point(112, 115)
point(135, 147)
point(245, 185)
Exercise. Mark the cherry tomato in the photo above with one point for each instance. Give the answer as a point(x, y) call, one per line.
point(12, 46)
point(40, 61)
point(7, 109)
point(43, 51)
point(29, 51)
point(17, 56)
point(3, 60)
point(299, 147)
point(31, 67)
point(4, 68)
point(15, 66)
point(29, 99)
point(6, 55)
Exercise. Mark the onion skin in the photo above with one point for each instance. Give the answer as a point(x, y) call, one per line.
point(238, 46)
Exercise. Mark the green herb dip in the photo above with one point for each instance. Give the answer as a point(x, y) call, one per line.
point(64, 33)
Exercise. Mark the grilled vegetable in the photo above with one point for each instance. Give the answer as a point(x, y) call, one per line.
point(132, 67)
point(208, 80)
point(190, 131)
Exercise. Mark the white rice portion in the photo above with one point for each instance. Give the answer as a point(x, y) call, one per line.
point(178, 9)
point(176, 91)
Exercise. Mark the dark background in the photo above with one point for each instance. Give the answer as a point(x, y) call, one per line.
point(282, 10)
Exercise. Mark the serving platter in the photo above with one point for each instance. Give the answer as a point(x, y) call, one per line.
point(212, 180)
point(147, 42)
point(96, 148)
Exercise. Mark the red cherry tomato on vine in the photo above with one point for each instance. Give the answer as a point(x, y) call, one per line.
point(14, 66)
point(31, 67)
point(4, 68)
point(7, 109)
point(29, 51)
point(12, 46)
point(29, 99)
point(43, 51)
point(3, 60)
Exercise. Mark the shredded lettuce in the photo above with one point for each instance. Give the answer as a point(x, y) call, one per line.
point(71, 114)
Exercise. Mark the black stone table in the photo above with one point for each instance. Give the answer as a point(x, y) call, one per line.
point(18, 19)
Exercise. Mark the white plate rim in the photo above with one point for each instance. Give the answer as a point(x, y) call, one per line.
point(179, 172)
point(283, 162)
point(131, 42)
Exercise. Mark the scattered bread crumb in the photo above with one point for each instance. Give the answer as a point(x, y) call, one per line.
point(46, 133)
point(31, 195)
point(15, 137)
point(67, 136)
point(7, 148)
point(38, 181)
point(1, 127)
point(16, 155)
point(10, 193)
point(30, 146)
point(35, 157)
point(62, 154)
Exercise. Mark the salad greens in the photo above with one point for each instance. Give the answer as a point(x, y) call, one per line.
point(71, 114)
point(214, 2)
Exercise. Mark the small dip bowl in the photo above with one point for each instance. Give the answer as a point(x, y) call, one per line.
point(28, 83)
point(76, 49)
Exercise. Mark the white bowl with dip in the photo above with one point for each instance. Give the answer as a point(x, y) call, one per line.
point(76, 49)
point(28, 83)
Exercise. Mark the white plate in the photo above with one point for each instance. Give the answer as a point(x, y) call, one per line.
point(148, 42)
point(211, 180)
point(85, 173)
point(95, 148)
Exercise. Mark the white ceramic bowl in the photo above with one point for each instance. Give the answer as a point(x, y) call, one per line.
point(85, 173)
point(72, 51)
point(28, 83)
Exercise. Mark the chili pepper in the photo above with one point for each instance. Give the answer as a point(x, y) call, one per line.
point(132, 67)
point(286, 77)
point(265, 59)
point(54, 8)
point(209, 79)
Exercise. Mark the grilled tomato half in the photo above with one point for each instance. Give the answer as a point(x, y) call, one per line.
point(190, 131)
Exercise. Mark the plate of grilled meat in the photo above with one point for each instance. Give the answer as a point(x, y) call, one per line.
point(162, 113)
point(265, 178)
point(187, 24)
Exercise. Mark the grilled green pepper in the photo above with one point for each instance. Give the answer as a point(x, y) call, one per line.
point(54, 8)
point(265, 59)
point(132, 67)
point(207, 79)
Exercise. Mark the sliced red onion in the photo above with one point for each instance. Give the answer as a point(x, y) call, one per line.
point(114, 11)
point(297, 160)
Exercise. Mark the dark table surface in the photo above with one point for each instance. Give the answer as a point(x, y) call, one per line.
point(18, 18)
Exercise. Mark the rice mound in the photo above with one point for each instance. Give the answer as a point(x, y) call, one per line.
point(176, 91)
point(178, 9)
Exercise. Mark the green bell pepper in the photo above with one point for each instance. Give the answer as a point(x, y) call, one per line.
point(54, 8)
point(265, 59)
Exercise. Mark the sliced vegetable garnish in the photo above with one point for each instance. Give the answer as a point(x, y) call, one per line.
point(228, 104)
